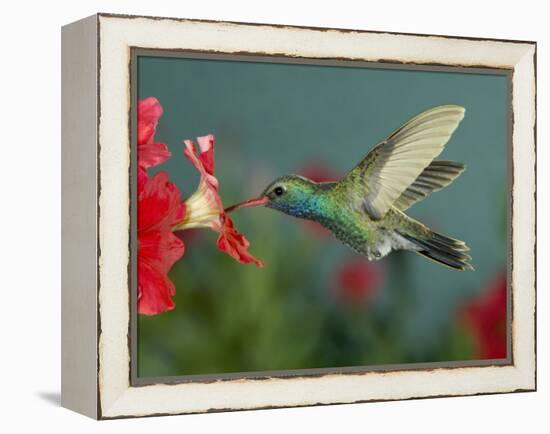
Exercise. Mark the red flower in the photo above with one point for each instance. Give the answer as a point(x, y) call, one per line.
point(358, 280)
point(161, 211)
point(204, 207)
point(485, 317)
point(159, 208)
point(149, 153)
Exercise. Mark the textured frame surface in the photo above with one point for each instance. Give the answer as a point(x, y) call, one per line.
point(116, 397)
point(79, 243)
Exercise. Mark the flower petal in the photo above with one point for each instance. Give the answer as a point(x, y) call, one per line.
point(149, 113)
point(162, 249)
point(234, 243)
point(205, 207)
point(159, 203)
point(159, 208)
point(149, 153)
point(155, 290)
point(152, 154)
point(206, 143)
point(204, 163)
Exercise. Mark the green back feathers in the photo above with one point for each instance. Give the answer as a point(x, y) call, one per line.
point(391, 167)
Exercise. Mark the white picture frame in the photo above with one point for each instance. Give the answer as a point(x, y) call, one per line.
point(96, 293)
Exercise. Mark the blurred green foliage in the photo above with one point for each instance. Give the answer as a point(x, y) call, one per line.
point(270, 119)
point(231, 317)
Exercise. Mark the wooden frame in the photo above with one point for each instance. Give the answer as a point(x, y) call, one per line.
point(96, 327)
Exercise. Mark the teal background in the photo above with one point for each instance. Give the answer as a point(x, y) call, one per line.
point(270, 119)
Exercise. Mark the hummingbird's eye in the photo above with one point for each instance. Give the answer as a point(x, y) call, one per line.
point(278, 191)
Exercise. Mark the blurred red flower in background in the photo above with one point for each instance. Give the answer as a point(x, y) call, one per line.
point(205, 209)
point(358, 280)
point(318, 171)
point(159, 208)
point(150, 154)
point(485, 318)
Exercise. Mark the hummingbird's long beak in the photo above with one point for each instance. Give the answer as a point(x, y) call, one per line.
point(248, 203)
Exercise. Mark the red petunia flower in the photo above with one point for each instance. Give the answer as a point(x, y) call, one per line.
point(161, 212)
point(204, 208)
point(358, 280)
point(159, 208)
point(485, 317)
point(150, 154)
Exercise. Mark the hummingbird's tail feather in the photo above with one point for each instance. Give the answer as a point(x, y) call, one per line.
point(441, 249)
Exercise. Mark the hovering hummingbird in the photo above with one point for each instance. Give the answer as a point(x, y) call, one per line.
point(365, 209)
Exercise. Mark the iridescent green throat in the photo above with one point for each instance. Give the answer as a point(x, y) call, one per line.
point(306, 199)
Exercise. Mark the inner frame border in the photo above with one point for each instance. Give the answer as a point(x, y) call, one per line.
point(136, 52)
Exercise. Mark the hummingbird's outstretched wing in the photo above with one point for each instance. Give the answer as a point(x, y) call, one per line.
point(392, 166)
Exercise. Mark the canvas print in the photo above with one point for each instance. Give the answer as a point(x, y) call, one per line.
point(298, 217)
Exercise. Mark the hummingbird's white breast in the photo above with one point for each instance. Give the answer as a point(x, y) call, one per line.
point(390, 240)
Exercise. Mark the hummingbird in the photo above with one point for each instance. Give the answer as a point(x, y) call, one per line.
point(365, 210)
